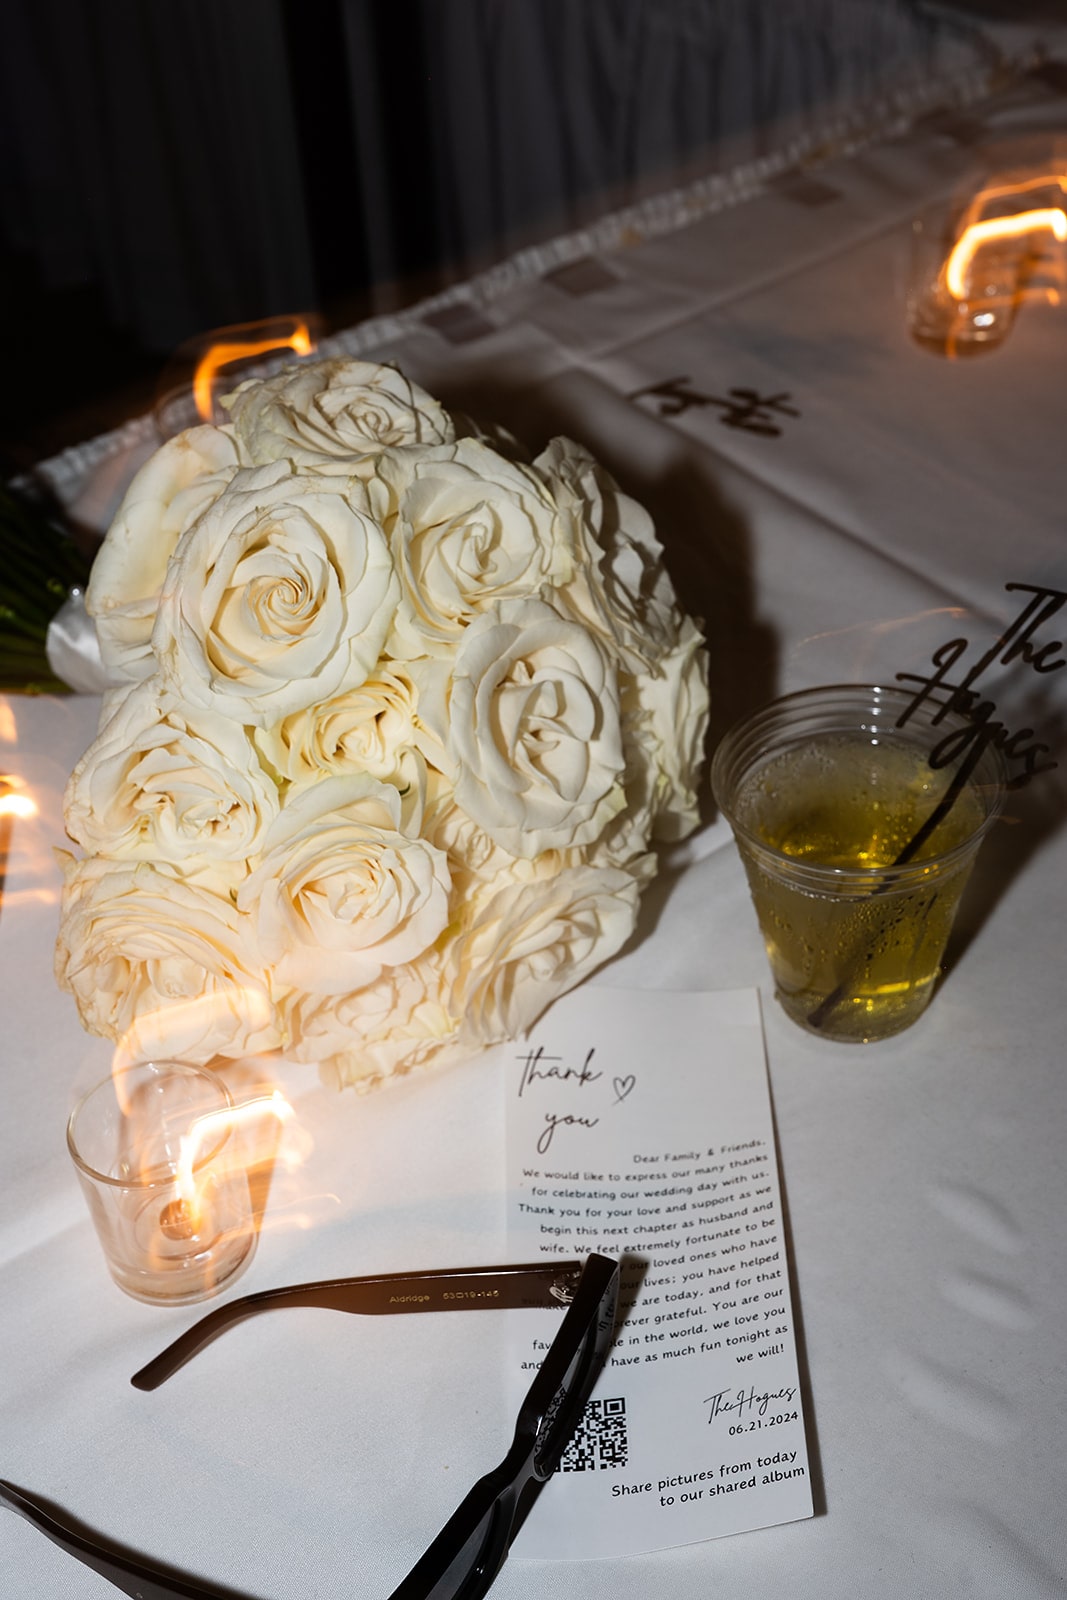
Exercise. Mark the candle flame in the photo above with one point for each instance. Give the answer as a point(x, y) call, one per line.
point(226, 352)
point(977, 234)
point(210, 1129)
point(16, 805)
point(28, 855)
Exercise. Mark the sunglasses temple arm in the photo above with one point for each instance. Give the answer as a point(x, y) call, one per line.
point(462, 1289)
point(539, 1283)
point(124, 1571)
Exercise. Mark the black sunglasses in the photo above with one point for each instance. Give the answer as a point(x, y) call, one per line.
point(467, 1554)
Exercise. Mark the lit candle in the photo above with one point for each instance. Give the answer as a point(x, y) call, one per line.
point(157, 1151)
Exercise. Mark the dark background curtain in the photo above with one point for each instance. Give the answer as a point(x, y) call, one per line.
point(167, 168)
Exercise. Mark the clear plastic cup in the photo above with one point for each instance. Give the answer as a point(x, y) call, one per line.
point(858, 817)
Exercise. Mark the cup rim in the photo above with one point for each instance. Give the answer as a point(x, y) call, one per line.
point(142, 1185)
point(822, 874)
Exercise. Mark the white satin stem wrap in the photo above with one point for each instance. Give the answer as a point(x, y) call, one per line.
point(72, 648)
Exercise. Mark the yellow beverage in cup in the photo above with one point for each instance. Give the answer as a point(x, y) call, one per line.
point(826, 794)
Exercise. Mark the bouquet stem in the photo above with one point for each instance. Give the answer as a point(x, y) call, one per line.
point(41, 564)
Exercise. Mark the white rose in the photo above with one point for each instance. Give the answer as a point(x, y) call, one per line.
point(469, 529)
point(341, 891)
point(529, 942)
point(279, 596)
point(534, 729)
point(162, 966)
point(621, 588)
point(474, 859)
point(325, 413)
point(626, 841)
point(168, 493)
point(393, 1025)
point(373, 729)
point(668, 714)
point(160, 783)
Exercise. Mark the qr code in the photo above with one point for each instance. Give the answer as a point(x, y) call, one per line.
point(600, 1439)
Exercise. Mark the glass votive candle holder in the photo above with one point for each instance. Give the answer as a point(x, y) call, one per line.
point(968, 319)
point(157, 1152)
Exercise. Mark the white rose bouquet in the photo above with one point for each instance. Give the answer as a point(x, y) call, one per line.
point(396, 722)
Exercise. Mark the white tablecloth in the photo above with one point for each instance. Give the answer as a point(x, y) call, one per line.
point(315, 1455)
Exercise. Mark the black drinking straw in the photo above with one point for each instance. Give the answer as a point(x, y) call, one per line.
point(825, 1009)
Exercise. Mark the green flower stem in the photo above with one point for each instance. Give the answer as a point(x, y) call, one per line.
point(24, 572)
point(15, 627)
point(39, 565)
point(11, 645)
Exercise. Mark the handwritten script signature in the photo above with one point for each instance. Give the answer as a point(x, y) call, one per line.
point(740, 407)
point(1016, 643)
point(749, 1399)
point(537, 1066)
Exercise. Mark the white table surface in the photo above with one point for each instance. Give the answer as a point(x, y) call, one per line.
point(924, 1179)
